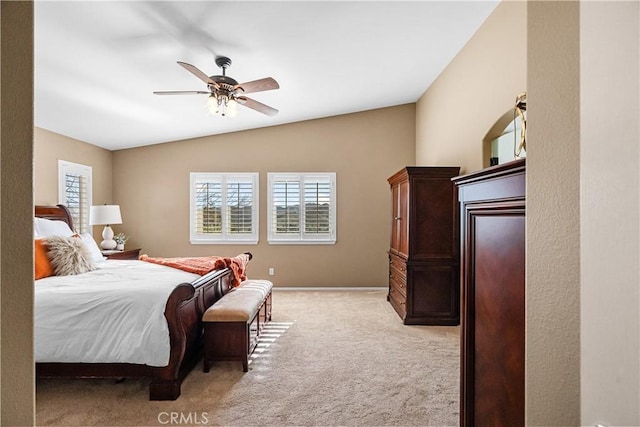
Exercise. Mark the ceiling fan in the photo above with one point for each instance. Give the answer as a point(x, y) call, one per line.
point(225, 92)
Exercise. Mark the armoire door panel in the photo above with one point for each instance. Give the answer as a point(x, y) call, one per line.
point(395, 219)
point(435, 200)
point(432, 295)
point(404, 218)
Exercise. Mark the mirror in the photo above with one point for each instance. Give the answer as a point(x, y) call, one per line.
point(506, 141)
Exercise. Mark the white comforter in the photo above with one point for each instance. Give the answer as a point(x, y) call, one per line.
point(111, 315)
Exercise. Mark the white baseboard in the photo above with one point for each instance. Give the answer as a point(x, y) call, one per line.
point(329, 288)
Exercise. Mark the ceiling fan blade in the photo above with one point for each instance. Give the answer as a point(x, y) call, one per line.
point(267, 83)
point(181, 92)
point(258, 106)
point(199, 74)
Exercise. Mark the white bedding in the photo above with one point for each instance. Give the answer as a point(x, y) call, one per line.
point(114, 314)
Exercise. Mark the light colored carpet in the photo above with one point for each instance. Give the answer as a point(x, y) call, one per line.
point(331, 358)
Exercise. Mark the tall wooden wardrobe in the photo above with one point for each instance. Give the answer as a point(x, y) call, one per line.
point(423, 256)
point(492, 214)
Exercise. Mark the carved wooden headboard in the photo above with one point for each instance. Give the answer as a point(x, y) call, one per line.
point(59, 213)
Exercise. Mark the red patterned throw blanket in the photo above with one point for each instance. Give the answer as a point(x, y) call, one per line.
point(203, 265)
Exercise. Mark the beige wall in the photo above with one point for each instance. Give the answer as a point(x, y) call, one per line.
point(610, 213)
point(477, 87)
point(17, 398)
point(553, 215)
point(151, 184)
point(50, 147)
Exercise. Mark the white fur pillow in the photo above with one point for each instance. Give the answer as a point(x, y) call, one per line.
point(69, 256)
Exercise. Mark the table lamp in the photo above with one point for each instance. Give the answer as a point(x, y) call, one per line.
point(105, 215)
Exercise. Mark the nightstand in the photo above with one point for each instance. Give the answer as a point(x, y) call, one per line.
point(128, 254)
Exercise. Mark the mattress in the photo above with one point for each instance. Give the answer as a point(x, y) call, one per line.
point(114, 314)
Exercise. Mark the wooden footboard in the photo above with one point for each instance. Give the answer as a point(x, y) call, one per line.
point(183, 311)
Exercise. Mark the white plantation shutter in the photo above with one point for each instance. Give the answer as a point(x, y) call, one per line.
point(74, 191)
point(286, 206)
point(224, 208)
point(240, 207)
point(317, 212)
point(208, 213)
point(302, 208)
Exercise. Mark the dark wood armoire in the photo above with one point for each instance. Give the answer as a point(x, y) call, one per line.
point(492, 215)
point(424, 251)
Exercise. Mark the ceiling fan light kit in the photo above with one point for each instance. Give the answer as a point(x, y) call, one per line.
point(222, 105)
point(225, 93)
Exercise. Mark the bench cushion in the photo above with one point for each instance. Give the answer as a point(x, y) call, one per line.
point(262, 286)
point(239, 304)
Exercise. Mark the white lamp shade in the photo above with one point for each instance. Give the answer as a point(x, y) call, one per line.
point(105, 214)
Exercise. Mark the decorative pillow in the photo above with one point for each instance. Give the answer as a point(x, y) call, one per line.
point(69, 256)
point(43, 267)
point(47, 227)
point(92, 247)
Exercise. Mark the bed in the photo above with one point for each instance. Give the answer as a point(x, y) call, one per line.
point(166, 367)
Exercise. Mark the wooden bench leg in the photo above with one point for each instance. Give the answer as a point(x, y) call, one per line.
point(268, 307)
point(247, 345)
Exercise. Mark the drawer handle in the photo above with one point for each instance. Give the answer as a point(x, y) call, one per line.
point(397, 218)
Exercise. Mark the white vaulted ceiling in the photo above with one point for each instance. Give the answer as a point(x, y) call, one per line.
point(98, 63)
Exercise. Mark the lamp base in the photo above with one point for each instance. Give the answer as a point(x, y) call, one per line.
point(108, 243)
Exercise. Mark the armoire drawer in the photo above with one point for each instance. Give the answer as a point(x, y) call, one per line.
point(398, 301)
point(398, 282)
point(398, 264)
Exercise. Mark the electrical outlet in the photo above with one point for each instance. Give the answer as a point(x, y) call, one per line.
point(272, 271)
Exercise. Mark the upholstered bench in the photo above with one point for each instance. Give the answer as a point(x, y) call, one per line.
point(233, 324)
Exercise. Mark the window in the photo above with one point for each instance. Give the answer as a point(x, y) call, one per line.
point(302, 208)
point(74, 191)
point(224, 208)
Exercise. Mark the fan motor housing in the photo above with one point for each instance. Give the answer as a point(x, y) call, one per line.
point(224, 81)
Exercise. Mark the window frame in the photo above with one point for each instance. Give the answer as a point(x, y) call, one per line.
point(67, 168)
point(225, 237)
point(302, 237)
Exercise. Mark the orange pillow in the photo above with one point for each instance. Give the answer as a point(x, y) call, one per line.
point(43, 267)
